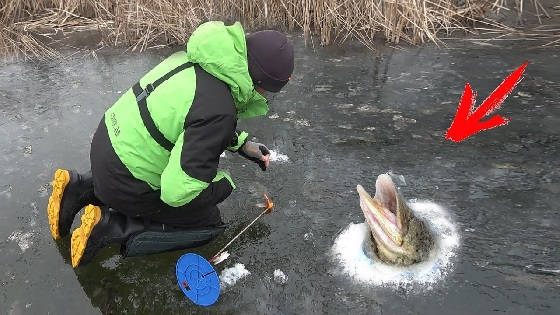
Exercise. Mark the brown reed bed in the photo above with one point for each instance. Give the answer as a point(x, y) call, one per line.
point(29, 26)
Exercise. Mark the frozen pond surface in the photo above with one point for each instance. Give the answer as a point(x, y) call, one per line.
point(347, 116)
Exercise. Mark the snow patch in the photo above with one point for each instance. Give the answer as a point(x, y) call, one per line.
point(112, 262)
point(280, 277)
point(23, 239)
point(278, 157)
point(303, 122)
point(231, 275)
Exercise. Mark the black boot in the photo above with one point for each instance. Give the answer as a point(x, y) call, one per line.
point(101, 227)
point(71, 192)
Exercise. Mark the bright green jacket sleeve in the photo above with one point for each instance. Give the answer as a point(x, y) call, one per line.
point(179, 188)
point(241, 138)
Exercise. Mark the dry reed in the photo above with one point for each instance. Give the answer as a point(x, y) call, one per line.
point(141, 24)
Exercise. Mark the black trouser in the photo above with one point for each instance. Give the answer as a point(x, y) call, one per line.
point(115, 187)
point(187, 217)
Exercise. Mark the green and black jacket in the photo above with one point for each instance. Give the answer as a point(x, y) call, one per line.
point(170, 137)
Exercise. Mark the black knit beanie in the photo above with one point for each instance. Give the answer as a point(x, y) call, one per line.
point(271, 59)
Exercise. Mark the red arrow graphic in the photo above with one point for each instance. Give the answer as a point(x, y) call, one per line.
point(467, 121)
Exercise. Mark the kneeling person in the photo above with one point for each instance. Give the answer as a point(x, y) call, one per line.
point(154, 183)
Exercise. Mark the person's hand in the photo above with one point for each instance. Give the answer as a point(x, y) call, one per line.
point(256, 152)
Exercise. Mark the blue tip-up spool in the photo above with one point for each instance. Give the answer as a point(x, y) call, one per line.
point(198, 279)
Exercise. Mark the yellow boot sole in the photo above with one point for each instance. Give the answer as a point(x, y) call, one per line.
point(61, 179)
point(80, 236)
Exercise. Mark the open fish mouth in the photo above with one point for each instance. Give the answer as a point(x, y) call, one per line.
point(387, 215)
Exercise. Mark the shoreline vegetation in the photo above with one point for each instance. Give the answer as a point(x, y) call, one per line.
point(31, 29)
